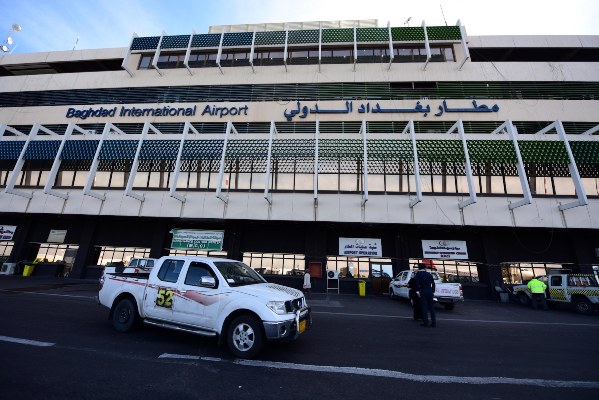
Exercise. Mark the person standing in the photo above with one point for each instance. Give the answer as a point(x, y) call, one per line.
point(537, 290)
point(425, 289)
point(307, 285)
point(414, 298)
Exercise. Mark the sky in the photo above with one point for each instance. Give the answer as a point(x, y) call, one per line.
point(54, 25)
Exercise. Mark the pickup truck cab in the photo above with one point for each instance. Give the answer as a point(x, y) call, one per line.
point(445, 293)
point(580, 290)
point(210, 297)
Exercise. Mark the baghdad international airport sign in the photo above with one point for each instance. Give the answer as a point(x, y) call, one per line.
point(193, 239)
point(444, 249)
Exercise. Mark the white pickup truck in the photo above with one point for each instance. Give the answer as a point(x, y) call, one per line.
point(210, 297)
point(580, 290)
point(445, 293)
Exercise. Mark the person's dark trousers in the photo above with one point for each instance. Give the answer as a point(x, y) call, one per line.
point(417, 308)
point(538, 299)
point(428, 306)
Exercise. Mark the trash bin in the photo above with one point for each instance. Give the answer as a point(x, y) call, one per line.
point(504, 297)
point(362, 288)
point(28, 270)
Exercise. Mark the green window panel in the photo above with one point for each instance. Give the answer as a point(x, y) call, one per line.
point(386, 149)
point(118, 150)
point(300, 37)
point(543, 152)
point(247, 149)
point(331, 149)
point(372, 35)
point(145, 43)
point(175, 42)
point(42, 150)
point(79, 150)
point(11, 150)
point(238, 39)
point(206, 40)
point(585, 152)
point(440, 150)
point(293, 149)
point(408, 34)
point(202, 149)
point(337, 35)
point(270, 38)
point(492, 151)
point(444, 33)
point(159, 149)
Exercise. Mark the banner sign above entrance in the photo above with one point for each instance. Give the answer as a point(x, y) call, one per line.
point(357, 247)
point(192, 239)
point(445, 249)
point(57, 236)
point(7, 232)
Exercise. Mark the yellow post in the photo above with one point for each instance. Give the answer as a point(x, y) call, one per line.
point(362, 288)
point(28, 270)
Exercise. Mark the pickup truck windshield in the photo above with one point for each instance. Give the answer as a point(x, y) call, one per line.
point(238, 274)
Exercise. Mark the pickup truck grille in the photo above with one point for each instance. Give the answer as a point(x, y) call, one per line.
point(295, 304)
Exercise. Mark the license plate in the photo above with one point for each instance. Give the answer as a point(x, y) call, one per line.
point(302, 326)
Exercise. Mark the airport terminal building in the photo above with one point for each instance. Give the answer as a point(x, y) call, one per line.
point(338, 146)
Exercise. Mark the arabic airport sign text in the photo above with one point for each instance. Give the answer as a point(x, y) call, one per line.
point(193, 239)
point(444, 249)
point(360, 247)
point(367, 108)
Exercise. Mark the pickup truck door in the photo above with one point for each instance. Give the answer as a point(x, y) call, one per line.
point(160, 298)
point(557, 288)
point(194, 300)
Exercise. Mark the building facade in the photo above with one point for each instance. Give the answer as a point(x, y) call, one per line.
point(335, 146)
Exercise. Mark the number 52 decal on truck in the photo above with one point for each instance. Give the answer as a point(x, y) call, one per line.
point(164, 298)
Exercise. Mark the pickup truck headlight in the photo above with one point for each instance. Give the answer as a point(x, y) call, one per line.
point(278, 307)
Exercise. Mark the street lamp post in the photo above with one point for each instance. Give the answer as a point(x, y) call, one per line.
point(9, 40)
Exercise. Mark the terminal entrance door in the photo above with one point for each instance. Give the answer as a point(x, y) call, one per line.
point(381, 274)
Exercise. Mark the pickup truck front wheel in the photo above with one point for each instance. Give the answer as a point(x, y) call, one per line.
point(124, 315)
point(245, 337)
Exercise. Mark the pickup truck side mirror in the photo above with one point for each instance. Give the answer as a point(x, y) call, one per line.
point(207, 281)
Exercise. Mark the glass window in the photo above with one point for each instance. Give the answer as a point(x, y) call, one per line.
point(145, 62)
point(170, 270)
point(450, 271)
point(356, 267)
point(196, 271)
point(519, 272)
point(121, 255)
point(276, 263)
point(5, 250)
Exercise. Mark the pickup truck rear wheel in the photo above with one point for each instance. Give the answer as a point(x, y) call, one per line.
point(583, 306)
point(125, 315)
point(245, 337)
